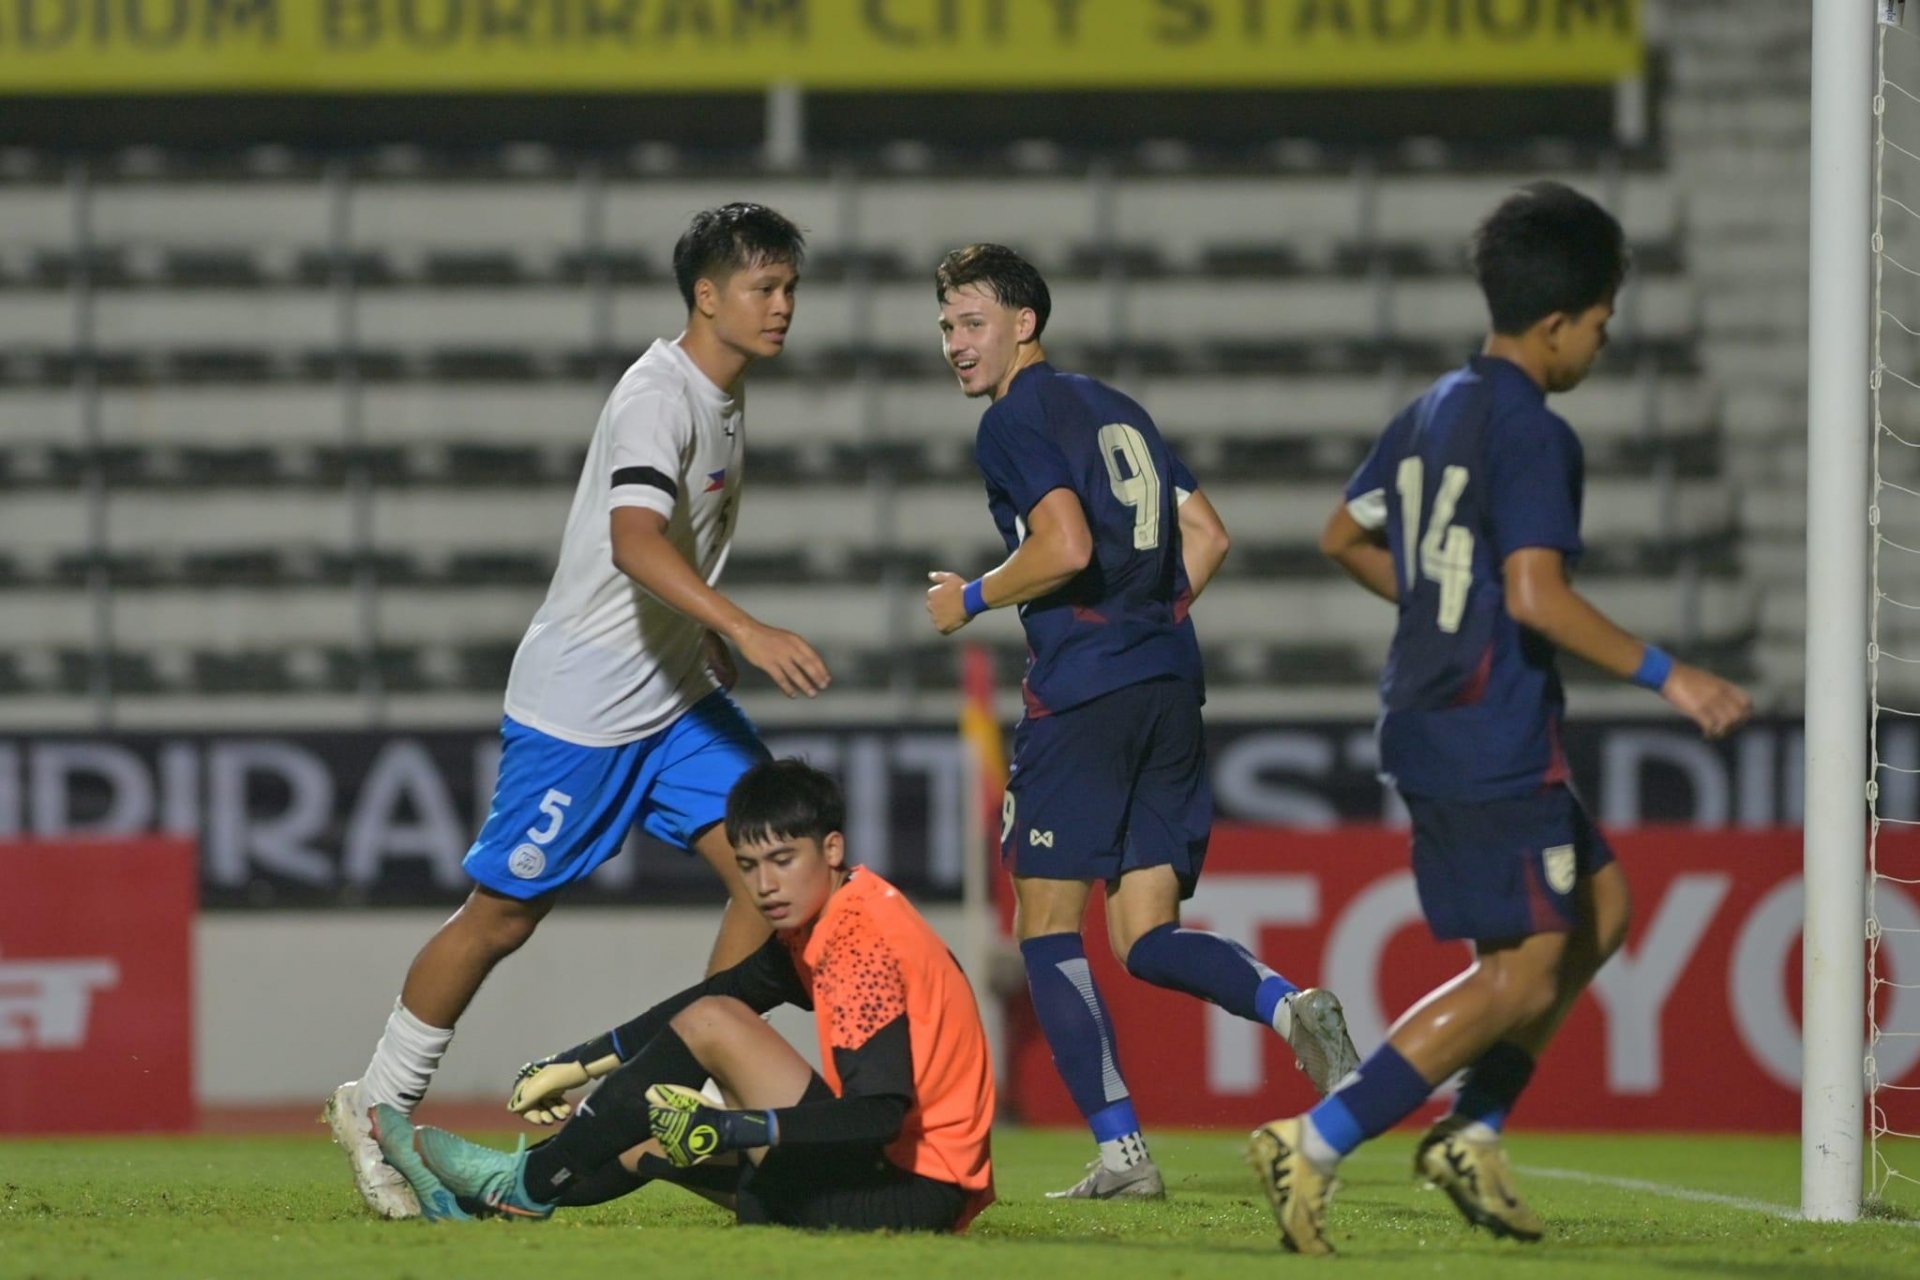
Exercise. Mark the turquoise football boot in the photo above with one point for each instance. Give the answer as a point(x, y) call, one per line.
point(477, 1173)
point(394, 1132)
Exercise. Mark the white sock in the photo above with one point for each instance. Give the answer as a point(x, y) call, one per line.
point(1479, 1131)
point(1318, 1151)
point(1283, 1016)
point(404, 1061)
point(1122, 1153)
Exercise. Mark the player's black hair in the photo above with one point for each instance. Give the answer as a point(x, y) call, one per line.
point(1543, 249)
point(1010, 278)
point(784, 800)
point(719, 242)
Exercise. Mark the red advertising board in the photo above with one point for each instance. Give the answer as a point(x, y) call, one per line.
point(96, 985)
point(1694, 1025)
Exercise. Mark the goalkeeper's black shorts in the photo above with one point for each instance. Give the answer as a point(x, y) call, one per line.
point(845, 1188)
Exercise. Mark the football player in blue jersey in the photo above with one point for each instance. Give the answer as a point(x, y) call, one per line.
point(1466, 515)
point(1110, 541)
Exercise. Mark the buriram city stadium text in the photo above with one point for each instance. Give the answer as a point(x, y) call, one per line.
point(49, 26)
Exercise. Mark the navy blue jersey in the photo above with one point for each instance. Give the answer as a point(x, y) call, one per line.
point(1475, 469)
point(1123, 619)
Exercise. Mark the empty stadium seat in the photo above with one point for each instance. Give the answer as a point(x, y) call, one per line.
point(340, 403)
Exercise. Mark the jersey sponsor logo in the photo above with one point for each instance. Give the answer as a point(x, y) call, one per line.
point(45, 1004)
point(716, 481)
point(1560, 868)
point(1039, 839)
point(528, 861)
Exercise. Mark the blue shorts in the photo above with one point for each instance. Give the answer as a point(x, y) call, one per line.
point(561, 809)
point(1110, 786)
point(1496, 869)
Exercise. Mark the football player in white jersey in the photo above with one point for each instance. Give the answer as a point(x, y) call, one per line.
point(617, 711)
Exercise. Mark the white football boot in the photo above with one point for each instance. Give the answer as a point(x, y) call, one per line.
point(381, 1185)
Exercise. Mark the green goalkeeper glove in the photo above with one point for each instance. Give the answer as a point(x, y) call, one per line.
point(540, 1088)
point(691, 1130)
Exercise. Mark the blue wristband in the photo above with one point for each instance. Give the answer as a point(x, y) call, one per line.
point(1655, 666)
point(974, 597)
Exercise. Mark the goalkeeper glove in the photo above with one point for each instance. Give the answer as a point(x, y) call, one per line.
point(690, 1130)
point(540, 1088)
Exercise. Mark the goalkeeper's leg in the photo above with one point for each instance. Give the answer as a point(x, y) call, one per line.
point(713, 1037)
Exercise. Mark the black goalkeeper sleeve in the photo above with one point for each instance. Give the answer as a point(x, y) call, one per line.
point(873, 1120)
point(764, 980)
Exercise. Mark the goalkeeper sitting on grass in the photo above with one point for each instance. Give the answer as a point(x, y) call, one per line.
point(894, 1137)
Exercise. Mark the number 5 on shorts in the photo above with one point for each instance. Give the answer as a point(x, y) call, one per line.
point(554, 806)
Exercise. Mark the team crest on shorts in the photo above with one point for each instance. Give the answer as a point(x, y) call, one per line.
point(529, 860)
point(1560, 868)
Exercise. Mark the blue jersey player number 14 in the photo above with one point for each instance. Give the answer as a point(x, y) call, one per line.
point(1446, 552)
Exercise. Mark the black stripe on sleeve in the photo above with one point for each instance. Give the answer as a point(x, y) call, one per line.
point(647, 475)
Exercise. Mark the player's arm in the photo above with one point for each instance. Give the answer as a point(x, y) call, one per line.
point(877, 1092)
point(874, 1063)
point(1058, 546)
point(1540, 597)
point(1203, 541)
point(1361, 551)
point(642, 551)
point(764, 980)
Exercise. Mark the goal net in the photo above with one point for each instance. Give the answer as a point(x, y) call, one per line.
point(1893, 853)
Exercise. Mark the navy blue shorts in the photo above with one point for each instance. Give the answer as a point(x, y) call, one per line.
point(1110, 786)
point(1496, 869)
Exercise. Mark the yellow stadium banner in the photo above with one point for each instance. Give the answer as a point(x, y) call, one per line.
point(640, 46)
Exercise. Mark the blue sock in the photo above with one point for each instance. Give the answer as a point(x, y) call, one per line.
point(1209, 966)
point(1077, 1028)
point(1493, 1084)
point(1386, 1091)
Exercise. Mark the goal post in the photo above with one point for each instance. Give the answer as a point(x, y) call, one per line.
point(1838, 435)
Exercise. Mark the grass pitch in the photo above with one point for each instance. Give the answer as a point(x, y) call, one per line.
point(283, 1207)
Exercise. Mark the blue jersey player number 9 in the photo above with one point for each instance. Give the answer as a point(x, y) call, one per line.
point(1139, 490)
point(1446, 551)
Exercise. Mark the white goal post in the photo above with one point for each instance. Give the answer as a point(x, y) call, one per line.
point(1838, 435)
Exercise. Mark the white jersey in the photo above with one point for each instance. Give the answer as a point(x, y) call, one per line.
point(603, 662)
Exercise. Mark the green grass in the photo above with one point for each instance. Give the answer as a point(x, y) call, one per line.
point(281, 1206)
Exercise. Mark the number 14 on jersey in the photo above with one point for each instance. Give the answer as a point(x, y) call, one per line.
point(1445, 553)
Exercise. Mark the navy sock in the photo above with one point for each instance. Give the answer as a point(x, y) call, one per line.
point(1075, 1022)
point(1209, 966)
point(1493, 1084)
point(1386, 1091)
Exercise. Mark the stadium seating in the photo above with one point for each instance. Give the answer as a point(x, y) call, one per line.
point(275, 424)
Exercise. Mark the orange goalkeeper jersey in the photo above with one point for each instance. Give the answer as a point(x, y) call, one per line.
point(871, 960)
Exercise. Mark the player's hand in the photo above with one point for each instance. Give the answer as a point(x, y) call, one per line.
point(540, 1090)
point(946, 604)
point(690, 1130)
point(787, 658)
point(1717, 706)
point(720, 660)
